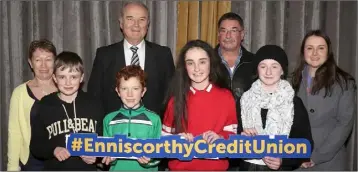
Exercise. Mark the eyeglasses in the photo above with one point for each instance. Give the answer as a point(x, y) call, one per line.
point(234, 31)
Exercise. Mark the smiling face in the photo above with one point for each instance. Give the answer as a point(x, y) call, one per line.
point(42, 63)
point(197, 64)
point(270, 72)
point(230, 35)
point(134, 23)
point(315, 51)
point(131, 92)
point(68, 81)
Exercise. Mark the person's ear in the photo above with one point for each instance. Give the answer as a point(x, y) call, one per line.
point(82, 76)
point(144, 90)
point(54, 78)
point(29, 61)
point(117, 91)
point(242, 35)
point(120, 20)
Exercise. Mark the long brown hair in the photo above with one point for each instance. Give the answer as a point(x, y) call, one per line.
point(181, 82)
point(327, 74)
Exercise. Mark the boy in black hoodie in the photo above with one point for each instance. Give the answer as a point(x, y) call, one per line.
point(68, 111)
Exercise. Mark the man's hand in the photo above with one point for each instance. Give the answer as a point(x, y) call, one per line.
point(273, 163)
point(106, 160)
point(89, 159)
point(211, 136)
point(61, 153)
point(143, 160)
point(188, 136)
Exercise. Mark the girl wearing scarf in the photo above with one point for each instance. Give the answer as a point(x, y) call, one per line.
point(270, 107)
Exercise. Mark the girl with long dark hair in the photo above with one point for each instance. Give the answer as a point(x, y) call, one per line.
point(199, 104)
point(329, 94)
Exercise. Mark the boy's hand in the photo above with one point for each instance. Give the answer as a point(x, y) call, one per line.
point(188, 136)
point(210, 136)
point(89, 159)
point(143, 160)
point(61, 153)
point(106, 160)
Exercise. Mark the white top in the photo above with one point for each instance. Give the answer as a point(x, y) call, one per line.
point(232, 69)
point(128, 53)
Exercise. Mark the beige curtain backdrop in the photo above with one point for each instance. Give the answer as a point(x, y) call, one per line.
point(285, 23)
point(83, 26)
point(79, 26)
point(198, 20)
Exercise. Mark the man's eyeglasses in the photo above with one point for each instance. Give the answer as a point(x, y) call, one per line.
point(233, 31)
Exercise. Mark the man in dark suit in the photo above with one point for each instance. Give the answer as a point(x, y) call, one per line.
point(156, 60)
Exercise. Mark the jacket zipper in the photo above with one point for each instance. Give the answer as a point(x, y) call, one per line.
point(129, 123)
point(233, 73)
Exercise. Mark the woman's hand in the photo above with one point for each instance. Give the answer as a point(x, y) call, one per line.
point(187, 136)
point(307, 164)
point(273, 163)
point(249, 132)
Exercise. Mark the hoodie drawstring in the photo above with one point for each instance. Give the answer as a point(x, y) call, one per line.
point(74, 111)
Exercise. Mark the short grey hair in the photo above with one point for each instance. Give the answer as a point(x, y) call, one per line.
point(139, 3)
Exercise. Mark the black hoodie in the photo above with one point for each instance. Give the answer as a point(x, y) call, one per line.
point(51, 125)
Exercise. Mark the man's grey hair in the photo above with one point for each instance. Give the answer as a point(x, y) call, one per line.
point(121, 14)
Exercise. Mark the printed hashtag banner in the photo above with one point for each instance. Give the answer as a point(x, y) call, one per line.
point(175, 147)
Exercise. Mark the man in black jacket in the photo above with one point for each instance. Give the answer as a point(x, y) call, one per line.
point(237, 63)
point(155, 60)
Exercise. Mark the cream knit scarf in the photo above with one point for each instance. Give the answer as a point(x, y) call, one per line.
point(279, 104)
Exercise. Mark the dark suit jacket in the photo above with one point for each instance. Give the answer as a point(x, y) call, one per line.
point(159, 68)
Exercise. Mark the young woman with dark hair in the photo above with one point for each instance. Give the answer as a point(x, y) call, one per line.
point(329, 94)
point(199, 104)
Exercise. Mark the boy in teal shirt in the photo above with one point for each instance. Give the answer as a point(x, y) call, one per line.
point(132, 119)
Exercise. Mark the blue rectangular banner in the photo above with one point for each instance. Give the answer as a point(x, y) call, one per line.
point(174, 146)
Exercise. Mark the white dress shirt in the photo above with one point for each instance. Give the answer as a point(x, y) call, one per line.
point(128, 53)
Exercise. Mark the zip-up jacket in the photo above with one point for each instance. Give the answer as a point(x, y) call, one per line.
point(243, 74)
point(139, 123)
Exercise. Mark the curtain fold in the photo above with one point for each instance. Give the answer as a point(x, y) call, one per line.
point(198, 20)
point(211, 11)
point(188, 23)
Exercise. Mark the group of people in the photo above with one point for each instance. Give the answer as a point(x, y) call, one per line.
point(136, 90)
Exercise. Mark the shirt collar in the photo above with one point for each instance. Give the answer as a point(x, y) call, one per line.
point(127, 45)
point(237, 60)
point(207, 89)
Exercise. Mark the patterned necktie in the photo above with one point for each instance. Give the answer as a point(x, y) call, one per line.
point(135, 57)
